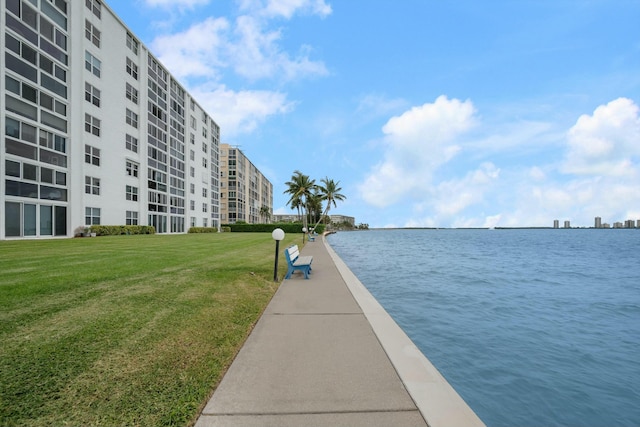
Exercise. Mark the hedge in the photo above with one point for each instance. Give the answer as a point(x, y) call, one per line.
point(203, 230)
point(116, 230)
point(287, 227)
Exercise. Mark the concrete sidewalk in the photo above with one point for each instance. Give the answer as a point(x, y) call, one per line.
point(324, 353)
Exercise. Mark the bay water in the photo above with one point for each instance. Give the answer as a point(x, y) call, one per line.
point(532, 327)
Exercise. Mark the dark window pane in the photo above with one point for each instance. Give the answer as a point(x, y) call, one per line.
point(20, 149)
point(12, 219)
point(46, 175)
point(52, 193)
point(12, 168)
point(21, 189)
point(29, 172)
point(61, 220)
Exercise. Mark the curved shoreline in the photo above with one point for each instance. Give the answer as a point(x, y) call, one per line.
point(436, 399)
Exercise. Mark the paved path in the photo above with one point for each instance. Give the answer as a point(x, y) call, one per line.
point(318, 358)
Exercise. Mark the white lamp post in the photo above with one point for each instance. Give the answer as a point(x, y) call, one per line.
point(277, 234)
point(304, 231)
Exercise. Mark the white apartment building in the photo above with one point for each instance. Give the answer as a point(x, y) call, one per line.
point(245, 193)
point(96, 129)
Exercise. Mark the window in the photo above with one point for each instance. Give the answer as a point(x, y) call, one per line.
point(204, 147)
point(132, 118)
point(91, 155)
point(92, 216)
point(92, 185)
point(132, 218)
point(192, 121)
point(193, 188)
point(204, 192)
point(94, 6)
point(132, 69)
point(131, 143)
point(53, 141)
point(132, 169)
point(192, 155)
point(132, 193)
point(204, 162)
point(204, 207)
point(132, 43)
point(92, 33)
point(91, 94)
point(91, 125)
point(132, 93)
point(192, 172)
point(192, 205)
point(91, 63)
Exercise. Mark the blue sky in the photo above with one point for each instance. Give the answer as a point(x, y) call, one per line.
point(429, 113)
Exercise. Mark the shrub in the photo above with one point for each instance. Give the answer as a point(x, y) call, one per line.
point(116, 230)
point(203, 230)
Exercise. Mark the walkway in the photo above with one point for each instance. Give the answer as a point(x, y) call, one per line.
point(324, 353)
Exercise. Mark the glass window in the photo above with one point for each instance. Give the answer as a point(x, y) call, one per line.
point(61, 178)
point(29, 172)
point(60, 219)
point(46, 220)
point(29, 223)
point(46, 175)
point(91, 63)
point(92, 216)
point(12, 168)
point(12, 220)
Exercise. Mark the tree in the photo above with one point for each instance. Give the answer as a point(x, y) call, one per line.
point(330, 192)
point(265, 213)
point(300, 189)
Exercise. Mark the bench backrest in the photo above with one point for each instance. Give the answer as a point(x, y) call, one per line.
point(292, 253)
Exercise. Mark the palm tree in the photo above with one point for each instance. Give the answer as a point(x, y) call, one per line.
point(300, 189)
point(330, 191)
point(265, 212)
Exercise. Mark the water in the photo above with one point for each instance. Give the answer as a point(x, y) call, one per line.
point(531, 327)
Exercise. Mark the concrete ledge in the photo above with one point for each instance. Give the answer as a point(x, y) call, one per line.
point(437, 401)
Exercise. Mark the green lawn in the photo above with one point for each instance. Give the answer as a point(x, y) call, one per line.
point(126, 330)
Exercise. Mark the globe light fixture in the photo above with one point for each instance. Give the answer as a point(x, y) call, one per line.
point(277, 234)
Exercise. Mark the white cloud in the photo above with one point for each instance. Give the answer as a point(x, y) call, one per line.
point(248, 47)
point(605, 143)
point(200, 51)
point(241, 112)
point(286, 8)
point(418, 142)
point(179, 4)
point(257, 54)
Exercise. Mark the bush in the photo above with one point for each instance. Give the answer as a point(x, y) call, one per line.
point(203, 230)
point(117, 230)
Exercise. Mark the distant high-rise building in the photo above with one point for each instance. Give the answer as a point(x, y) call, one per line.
point(245, 193)
point(567, 224)
point(598, 222)
point(556, 223)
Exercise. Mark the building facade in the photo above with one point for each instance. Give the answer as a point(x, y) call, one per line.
point(96, 129)
point(246, 195)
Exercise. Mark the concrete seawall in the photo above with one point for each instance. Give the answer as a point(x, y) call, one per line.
point(325, 353)
point(436, 399)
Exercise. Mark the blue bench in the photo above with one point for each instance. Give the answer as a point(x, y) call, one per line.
point(311, 238)
point(297, 262)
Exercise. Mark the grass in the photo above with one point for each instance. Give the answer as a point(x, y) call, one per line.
point(126, 330)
